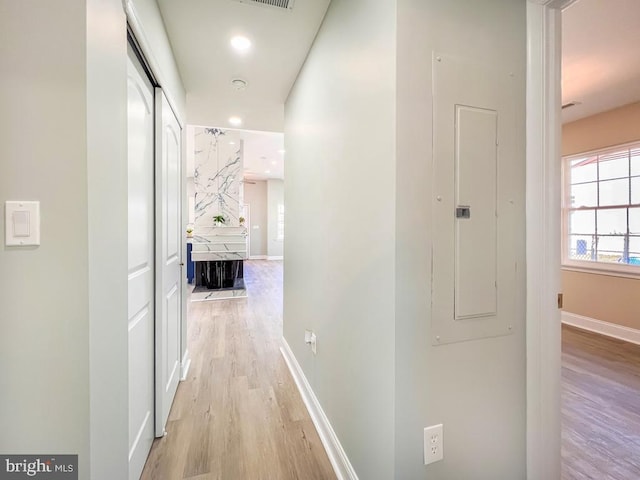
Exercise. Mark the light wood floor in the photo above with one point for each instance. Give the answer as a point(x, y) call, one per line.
point(239, 416)
point(600, 407)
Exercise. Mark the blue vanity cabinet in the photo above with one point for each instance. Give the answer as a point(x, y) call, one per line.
point(191, 269)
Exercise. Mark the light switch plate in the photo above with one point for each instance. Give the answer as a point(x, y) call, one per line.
point(22, 223)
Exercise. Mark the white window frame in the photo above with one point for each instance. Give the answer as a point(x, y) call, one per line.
point(594, 266)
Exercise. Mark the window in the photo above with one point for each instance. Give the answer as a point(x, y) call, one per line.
point(601, 209)
point(280, 222)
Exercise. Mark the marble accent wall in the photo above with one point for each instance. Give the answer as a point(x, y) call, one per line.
point(217, 175)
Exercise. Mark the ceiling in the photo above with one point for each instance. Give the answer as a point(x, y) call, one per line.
point(263, 155)
point(600, 56)
point(200, 33)
point(600, 63)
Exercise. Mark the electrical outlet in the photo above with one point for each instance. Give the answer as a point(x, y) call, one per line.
point(433, 444)
point(314, 343)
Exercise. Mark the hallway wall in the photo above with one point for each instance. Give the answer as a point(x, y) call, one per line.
point(339, 248)
point(63, 304)
point(44, 345)
point(358, 254)
point(107, 236)
point(64, 143)
point(474, 385)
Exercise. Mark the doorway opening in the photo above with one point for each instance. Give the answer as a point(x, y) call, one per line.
point(600, 239)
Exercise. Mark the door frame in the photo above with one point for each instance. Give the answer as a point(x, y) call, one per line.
point(159, 79)
point(543, 331)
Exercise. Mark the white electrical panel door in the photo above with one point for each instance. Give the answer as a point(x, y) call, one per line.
point(476, 222)
point(478, 200)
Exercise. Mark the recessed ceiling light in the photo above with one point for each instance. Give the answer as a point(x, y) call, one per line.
point(240, 43)
point(281, 150)
point(235, 121)
point(267, 171)
point(273, 162)
point(232, 143)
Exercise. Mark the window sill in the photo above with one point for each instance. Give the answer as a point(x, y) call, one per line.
point(611, 270)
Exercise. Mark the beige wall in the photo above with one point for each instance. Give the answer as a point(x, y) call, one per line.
point(621, 125)
point(608, 298)
point(602, 297)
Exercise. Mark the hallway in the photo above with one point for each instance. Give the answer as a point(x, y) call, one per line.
point(387, 108)
point(239, 415)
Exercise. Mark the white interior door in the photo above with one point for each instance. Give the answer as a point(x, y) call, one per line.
point(141, 265)
point(168, 258)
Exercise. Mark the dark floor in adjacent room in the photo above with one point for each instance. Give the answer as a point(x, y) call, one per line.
point(600, 407)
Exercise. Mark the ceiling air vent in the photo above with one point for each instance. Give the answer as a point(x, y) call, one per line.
point(284, 4)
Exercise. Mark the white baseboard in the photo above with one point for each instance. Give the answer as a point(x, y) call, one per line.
point(275, 257)
point(258, 257)
point(337, 456)
point(184, 366)
point(603, 328)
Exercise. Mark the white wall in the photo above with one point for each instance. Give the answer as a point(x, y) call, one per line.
point(476, 386)
point(339, 270)
point(45, 337)
point(275, 197)
point(62, 144)
point(160, 54)
point(255, 195)
point(358, 254)
point(63, 305)
point(106, 143)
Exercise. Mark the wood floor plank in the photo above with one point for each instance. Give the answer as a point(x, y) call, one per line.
point(600, 407)
point(239, 415)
